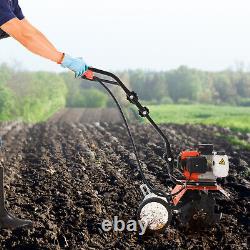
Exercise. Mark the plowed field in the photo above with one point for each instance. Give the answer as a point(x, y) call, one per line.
point(68, 177)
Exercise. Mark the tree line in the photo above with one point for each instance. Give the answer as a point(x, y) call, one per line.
point(34, 96)
point(30, 96)
point(185, 85)
point(182, 85)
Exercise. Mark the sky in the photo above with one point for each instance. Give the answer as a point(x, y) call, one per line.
point(157, 35)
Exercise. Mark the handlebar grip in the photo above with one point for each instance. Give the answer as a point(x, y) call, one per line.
point(89, 74)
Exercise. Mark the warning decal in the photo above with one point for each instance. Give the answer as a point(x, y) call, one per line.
point(222, 162)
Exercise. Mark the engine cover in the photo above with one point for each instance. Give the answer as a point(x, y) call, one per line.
point(204, 164)
point(197, 165)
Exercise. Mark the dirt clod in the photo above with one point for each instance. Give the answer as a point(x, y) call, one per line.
point(68, 178)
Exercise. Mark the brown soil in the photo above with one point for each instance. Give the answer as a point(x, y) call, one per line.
point(69, 177)
point(86, 115)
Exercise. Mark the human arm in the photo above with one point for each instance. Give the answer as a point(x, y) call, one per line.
point(13, 23)
point(32, 39)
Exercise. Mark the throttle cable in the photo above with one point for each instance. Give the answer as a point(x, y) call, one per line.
point(139, 166)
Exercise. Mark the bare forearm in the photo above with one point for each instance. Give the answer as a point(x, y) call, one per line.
point(37, 44)
point(40, 36)
point(32, 39)
point(45, 39)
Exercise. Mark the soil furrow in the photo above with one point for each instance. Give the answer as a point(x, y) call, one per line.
point(69, 177)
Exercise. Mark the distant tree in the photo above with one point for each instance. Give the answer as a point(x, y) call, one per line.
point(242, 83)
point(88, 98)
point(7, 103)
point(149, 85)
point(207, 91)
point(5, 73)
point(225, 88)
point(183, 83)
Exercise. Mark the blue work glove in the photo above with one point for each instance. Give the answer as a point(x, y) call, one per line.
point(75, 64)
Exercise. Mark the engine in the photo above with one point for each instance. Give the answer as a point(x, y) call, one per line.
point(204, 165)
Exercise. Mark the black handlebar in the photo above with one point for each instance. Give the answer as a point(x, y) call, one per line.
point(143, 112)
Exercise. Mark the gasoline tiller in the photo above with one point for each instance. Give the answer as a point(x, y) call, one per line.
point(192, 197)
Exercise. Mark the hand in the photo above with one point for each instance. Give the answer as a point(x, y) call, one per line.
point(75, 64)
